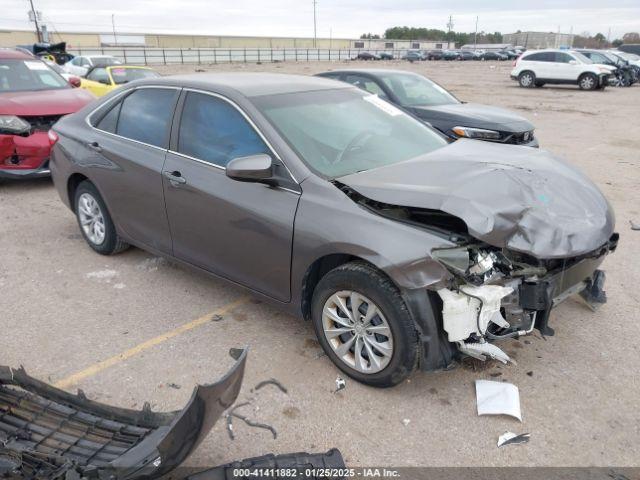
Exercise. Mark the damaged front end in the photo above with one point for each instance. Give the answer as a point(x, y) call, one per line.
point(49, 433)
point(496, 293)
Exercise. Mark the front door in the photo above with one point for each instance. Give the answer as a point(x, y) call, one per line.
point(240, 231)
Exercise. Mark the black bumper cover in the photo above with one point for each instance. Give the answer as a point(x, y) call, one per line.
point(49, 433)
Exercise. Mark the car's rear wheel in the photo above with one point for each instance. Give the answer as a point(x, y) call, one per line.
point(527, 79)
point(364, 326)
point(94, 220)
point(588, 81)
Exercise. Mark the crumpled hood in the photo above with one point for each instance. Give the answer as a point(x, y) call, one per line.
point(476, 115)
point(44, 102)
point(520, 198)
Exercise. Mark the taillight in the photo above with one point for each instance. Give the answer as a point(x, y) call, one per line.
point(53, 137)
point(515, 62)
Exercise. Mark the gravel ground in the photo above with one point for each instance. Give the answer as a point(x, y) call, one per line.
point(63, 308)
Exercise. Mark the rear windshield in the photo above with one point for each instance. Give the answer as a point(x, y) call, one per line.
point(28, 75)
point(125, 75)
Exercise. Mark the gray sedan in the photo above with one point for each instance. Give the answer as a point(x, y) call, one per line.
point(403, 250)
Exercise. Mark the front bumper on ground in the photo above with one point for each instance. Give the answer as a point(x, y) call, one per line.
point(49, 433)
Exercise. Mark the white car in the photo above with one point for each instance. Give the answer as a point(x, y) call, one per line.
point(632, 58)
point(534, 68)
point(82, 64)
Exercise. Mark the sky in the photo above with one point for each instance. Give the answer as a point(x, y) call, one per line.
point(336, 18)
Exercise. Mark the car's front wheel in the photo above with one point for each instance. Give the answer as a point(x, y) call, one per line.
point(94, 220)
point(364, 326)
point(588, 81)
point(527, 79)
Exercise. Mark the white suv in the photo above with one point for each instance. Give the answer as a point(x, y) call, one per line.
point(537, 67)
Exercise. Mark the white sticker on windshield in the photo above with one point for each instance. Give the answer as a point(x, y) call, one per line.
point(382, 105)
point(36, 66)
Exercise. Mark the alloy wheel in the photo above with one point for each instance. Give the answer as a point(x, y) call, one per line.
point(587, 83)
point(526, 80)
point(91, 218)
point(357, 331)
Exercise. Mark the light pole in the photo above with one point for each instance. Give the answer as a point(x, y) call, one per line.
point(314, 24)
point(113, 25)
point(475, 37)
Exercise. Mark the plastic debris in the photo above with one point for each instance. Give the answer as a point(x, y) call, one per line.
point(483, 350)
point(271, 381)
point(634, 225)
point(406, 421)
point(498, 398)
point(232, 413)
point(510, 438)
point(340, 384)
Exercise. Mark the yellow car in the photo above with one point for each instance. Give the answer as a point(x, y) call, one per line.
point(101, 80)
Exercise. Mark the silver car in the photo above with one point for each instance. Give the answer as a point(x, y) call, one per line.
point(403, 250)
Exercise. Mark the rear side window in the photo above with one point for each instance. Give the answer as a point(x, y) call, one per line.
point(539, 57)
point(367, 84)
point(214, 131)
point(145, 115)
point(110, 121)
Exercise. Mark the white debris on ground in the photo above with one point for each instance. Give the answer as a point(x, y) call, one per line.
point(498, 398)
point(119, 286)
point(406, 421)
point(340, 384)
point(102, 275)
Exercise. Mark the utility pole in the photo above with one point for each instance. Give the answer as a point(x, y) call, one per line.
point(449, 28)
point(315, 39)
point(35, 20)
point(475, 37)
point(113, 25)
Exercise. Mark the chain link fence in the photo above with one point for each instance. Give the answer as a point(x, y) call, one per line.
point(173, 56)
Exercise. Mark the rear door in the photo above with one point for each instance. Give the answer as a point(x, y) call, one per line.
point(238, 230)
point(126, 151)
point(567, 66)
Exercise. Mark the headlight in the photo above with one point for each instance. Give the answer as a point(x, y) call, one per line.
point(604, 70)
point(478, 133)
point(13, 125)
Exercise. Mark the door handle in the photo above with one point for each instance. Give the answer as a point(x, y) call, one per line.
point(175, 177)
point(95, 146)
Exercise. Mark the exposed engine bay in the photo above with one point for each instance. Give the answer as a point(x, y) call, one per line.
point(496, 293)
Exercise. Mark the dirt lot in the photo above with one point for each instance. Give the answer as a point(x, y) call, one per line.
point(65, 309)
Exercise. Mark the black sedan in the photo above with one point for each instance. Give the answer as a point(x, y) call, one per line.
point(367, 56)
point(493, 56)
point(433, 104)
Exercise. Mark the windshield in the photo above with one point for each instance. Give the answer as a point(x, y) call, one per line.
point(125, 75)
point(338, 132)
point(104, 61)
point(28, 75)
point(416, 90)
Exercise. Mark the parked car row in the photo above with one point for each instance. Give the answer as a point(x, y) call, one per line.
point(442, 54)
point(589, 69)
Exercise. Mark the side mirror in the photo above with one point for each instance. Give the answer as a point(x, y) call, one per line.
point(254, 168)
point(572, 62)
point(74, 81)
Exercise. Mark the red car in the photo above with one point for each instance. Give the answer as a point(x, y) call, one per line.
point(32, 98)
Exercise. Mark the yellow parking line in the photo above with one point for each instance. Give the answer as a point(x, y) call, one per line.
point(109, 362)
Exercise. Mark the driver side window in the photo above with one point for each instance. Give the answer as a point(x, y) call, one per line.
point(366, 84)
point(99, 75)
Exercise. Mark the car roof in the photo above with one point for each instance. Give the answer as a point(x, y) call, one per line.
point(249, 84)
point(17, 54)
point(371, 71)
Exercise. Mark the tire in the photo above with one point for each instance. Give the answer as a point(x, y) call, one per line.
point(393, 344)
point(101, 233)
point(527, 79)
point(588, 81)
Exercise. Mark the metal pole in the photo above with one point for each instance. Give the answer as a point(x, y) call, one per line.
point(475, 38)
point(35, 20)
point(314, 24)
point(113, 25)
